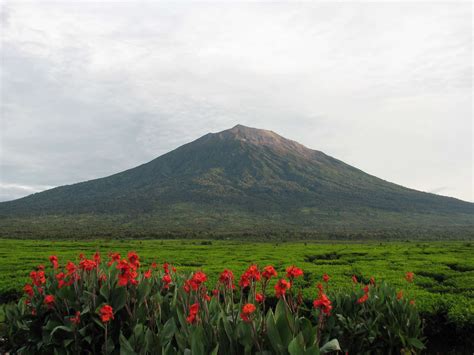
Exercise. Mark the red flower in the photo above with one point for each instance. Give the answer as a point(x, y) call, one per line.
point(166, 268)
point(196, 280)
point(293, 272)
point(319, 286)
point(60, 277)
point(215, 292)
point(128, 273)
point(54, 261)
point(409, 276)
point(412, 302)
point(259, 297)
point(166, 280)
point(193, 311)
point(102, 277)
point(364, 298)
point(147, 274)
point(281, 287)
point(250, 275)
point(28, 289)
point(400, 295)
point(97, 258)
point(49, 300)
point(71, 268)
point(366, 289)
point(134, 259)
point(326, 278)
point(269, 272)
point(87, 265)
point(247, 311)
point(372, 281)
point(154, 265)
point(77, 318)
point(106, 313)
point(324, 303)
point(227, 279)
point(354, 279)
point(38, 277)
point(114, 257)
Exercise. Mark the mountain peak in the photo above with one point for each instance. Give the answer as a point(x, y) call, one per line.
point(263, 137)
point(245, 131)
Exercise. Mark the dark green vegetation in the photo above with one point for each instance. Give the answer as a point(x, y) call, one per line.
point(240, 181)
point(444, 271)
point(157, 316)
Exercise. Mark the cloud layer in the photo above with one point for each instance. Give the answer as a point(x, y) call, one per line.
point(91, 89)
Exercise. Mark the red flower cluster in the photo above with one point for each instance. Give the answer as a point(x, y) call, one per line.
point(195, 282)
point(365, 297)
point(269, 272)
point(76, 319)
point(326, 278)
point(49, 301)
point(28, 289)
point(87, 264)
point(247, 311)
point(54, 261)
point(226, 278)
point(166, 280)
point(281, 287)
point(134, 259)
point(193, 311)
point(114, 258)
point(292, 272)
point(409, 276)
point(250, 275)
point(106, 313)
point(38, 278)
point(128, 269)
point(323, 303)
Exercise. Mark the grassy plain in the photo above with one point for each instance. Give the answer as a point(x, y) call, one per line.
point(443, 286)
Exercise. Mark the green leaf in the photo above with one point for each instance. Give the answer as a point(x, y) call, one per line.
point(168, 331)
point(197, 341)
point(272, 333)
point(416, 343)
point(118, 298)
point(60, 327)
point(125, 347)
point(216, 350)
point(330, 346)
point(296, 346)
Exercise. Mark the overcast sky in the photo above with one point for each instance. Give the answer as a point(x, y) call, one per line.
point(89, 89)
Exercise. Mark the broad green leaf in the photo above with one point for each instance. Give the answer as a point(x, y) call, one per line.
point(330, 346)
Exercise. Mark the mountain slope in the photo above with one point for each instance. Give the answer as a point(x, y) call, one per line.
point(252, 177)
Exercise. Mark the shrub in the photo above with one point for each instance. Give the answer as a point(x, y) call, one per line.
point(116, 307)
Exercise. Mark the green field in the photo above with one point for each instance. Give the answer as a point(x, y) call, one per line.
point(444, 282)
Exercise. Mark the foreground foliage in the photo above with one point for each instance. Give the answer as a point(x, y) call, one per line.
point(118, 305)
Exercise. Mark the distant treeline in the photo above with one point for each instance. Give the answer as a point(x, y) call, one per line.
point(42, 229)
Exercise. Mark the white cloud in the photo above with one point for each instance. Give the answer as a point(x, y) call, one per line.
point(90, 89)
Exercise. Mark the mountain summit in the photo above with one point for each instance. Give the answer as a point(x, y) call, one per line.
point(239, 180)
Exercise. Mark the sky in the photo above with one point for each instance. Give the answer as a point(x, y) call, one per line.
point(88, 89)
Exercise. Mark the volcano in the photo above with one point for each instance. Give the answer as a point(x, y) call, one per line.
point(240, 180)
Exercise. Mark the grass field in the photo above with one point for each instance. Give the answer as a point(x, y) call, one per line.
point(444, 281)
